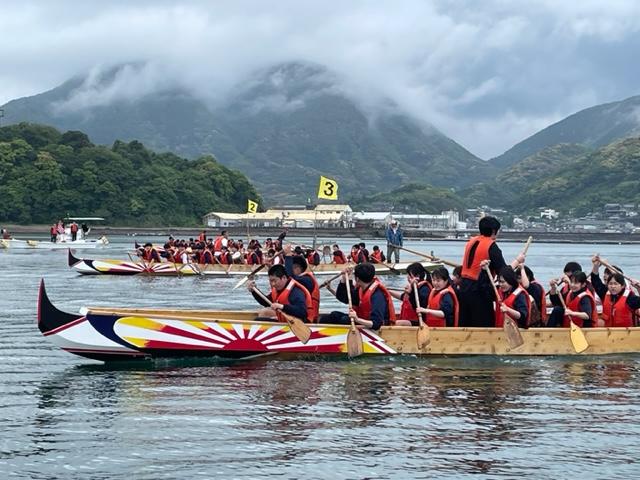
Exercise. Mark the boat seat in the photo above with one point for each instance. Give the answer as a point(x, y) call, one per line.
point(402, 323)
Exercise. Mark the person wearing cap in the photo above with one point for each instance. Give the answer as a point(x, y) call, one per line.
point(394, 240)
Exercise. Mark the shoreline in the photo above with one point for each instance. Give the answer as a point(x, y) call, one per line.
point(362, 233)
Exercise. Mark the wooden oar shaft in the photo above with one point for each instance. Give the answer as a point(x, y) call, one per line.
point(428, 257)
point(417, 298)
point(615, 270)
point(327, 282)
point(527, 245)
point(493, 284)
point(386, 264)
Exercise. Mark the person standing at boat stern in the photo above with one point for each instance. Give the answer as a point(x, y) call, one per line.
point(476, 293)
point(286, 294)
point(394, 240)
point(371, 301)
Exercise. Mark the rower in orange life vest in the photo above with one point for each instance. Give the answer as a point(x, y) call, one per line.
point(536, 291)
point(514, 299)
point(417, 274)
point(372, 303)
point(313, 257)
point(203, 236)
point(150, 254)
point(476, 293)
point(297, 268)
point(442, 307)
point(338, 255)
point(619, 304)
point(580, 303)
point(286, 294)
point(378, 257)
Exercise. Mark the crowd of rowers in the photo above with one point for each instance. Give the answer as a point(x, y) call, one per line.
point(464, 298)
point(226, 251)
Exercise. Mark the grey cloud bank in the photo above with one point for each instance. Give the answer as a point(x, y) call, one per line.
point(487, 74)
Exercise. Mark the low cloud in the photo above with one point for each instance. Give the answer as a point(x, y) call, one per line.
point(486, 74)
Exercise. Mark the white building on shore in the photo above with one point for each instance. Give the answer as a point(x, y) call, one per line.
point(322, 216)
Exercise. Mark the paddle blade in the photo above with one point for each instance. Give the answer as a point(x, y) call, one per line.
point(354, 342)
point(423, 336)
point(241, 282)
point(513, 333)
point(578, 340)
point(300, 329)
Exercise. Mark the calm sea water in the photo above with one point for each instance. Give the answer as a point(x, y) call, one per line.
point(62, 416)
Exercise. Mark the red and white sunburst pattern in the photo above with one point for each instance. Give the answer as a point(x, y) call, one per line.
point(153, 333)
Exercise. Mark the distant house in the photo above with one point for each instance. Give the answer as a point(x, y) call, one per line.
point(323, 216)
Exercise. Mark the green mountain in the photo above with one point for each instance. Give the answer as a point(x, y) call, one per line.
point(511, 188)
point(593, 128)
point(282, 127)
point(45, 175)
point(411, 198)
point(565, 177)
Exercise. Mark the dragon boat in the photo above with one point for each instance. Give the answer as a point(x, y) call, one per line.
point(112, 334)
point(87, 266)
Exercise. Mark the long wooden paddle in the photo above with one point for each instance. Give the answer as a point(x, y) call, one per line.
point(327, 282)
point(226, 270)
point(354, 337)
point(428, 257)
point(578, 339)
point(244, 279)
point(508, 325)
point(423, 336)
point(388, 265)
point(527, 245)
point(297, 326)
point(615, 270)
point(143, 261)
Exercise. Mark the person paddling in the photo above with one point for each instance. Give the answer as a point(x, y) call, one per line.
point(580, 303)
point(442, 306)
point(286, 295)
point(372, 303)
point(416, 274)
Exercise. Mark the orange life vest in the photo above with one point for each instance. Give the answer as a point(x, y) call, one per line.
point(618, 313)
point(510, 301)
point(574, 304)
point(407, 312)
point(364, 308)
point(338, 257)
point(471, 270)
point(378, 259)
point(283, 297)
point(217, 244)
point(315, 296)
point(434, 304)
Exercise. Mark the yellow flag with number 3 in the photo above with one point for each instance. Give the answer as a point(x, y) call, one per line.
point(252, 207)
point(328, 188)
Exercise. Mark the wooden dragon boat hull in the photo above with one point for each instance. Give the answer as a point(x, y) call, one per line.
point(110, 334)
point(87, 266)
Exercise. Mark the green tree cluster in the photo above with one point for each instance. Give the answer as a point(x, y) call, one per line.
point(45, 174)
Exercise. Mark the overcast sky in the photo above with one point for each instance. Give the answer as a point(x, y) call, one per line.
point(486, 73)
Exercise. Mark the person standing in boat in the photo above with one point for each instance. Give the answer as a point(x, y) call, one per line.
point(286, 294)
point(53, 231)
point(298, 269)
point(442, 307)
point(476, 293)
point(372, 303)
point(580, 303)
point(416, 274)
point(514, 299)
point(221, 240)
point(394, 240)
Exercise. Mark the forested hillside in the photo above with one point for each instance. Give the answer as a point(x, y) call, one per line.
point(46, 174)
